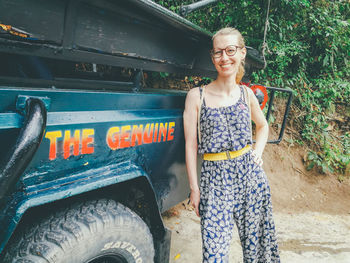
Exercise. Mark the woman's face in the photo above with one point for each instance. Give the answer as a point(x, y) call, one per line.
point(227, 65)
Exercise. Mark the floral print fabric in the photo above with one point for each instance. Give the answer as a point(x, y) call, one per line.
point(233, 191)
point(224, 128)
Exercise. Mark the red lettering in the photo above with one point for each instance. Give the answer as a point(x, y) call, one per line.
point(125, 136)
point(87, 140)
point(68, 141)
point(148, 133)
point(155, 132)
point(136, 133)
point(52, 136)
point(171, 131)
point(113, 138)
point(162, 131)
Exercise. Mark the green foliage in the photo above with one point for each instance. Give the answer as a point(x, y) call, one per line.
point(308, 51)
point(160, 75)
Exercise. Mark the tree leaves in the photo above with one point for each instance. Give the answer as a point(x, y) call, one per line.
point(309, 51)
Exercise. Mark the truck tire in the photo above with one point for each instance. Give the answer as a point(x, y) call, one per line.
point(101, 231)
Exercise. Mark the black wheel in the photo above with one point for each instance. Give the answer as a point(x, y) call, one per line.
point(100, 231)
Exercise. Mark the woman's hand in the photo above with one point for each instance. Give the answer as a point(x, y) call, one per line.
point(194, 200)
point(257, 158)
point(190, 117)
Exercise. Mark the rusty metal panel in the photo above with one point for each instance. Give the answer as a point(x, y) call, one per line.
point(127, 33)
point(42, 20)
point(122, 33)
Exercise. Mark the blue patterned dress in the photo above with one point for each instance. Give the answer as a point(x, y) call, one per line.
point(233, 191)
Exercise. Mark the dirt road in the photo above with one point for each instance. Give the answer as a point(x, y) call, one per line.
point(311, 211)
point(309, 237)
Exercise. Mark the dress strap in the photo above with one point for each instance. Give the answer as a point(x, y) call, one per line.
point(243, 93)
point(202, 102)
point(246, 98)
point(201, 95)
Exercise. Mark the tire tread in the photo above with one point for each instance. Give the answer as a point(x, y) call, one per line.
point(61, 231)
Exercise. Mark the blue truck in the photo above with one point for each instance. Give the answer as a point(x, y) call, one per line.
point(89, 158)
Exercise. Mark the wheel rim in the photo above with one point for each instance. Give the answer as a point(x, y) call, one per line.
point(109, 259)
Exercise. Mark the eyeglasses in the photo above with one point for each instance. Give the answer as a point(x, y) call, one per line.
point(230, 51)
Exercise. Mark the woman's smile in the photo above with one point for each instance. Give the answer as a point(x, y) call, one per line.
point(225, 66)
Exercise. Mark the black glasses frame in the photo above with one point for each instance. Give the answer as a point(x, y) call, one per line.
point(215, 54)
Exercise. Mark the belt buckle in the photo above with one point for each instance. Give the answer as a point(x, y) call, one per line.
point(228, 155)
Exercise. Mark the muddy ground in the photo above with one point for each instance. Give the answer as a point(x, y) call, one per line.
point(311, 211)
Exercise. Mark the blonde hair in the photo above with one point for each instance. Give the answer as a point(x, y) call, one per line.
point(232, 31)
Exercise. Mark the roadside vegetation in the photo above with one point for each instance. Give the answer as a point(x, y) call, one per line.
point(308, 50)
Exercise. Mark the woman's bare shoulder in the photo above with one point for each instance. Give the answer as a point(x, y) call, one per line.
point(193, 94)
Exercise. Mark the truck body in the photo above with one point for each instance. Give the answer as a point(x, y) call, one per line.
point(89, 161)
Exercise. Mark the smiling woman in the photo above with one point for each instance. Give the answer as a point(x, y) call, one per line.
point(233, 186)
point(223, 40)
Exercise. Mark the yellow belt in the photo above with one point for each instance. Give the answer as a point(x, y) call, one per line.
point(225, 155)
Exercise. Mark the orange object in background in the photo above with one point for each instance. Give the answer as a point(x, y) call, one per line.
point(261, 94)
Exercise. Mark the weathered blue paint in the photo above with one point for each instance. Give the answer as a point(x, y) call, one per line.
point(45, 180)
point(10, 120)
point(70, 185)
point(76, 100)
point(21, 102)
point(14, 120)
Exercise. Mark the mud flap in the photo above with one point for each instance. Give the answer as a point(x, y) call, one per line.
point(162, 248)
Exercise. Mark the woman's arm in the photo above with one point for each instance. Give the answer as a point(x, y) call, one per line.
point(190, 127)
point(262, 128)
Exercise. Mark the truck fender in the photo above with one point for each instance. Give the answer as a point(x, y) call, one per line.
point(125, 182)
